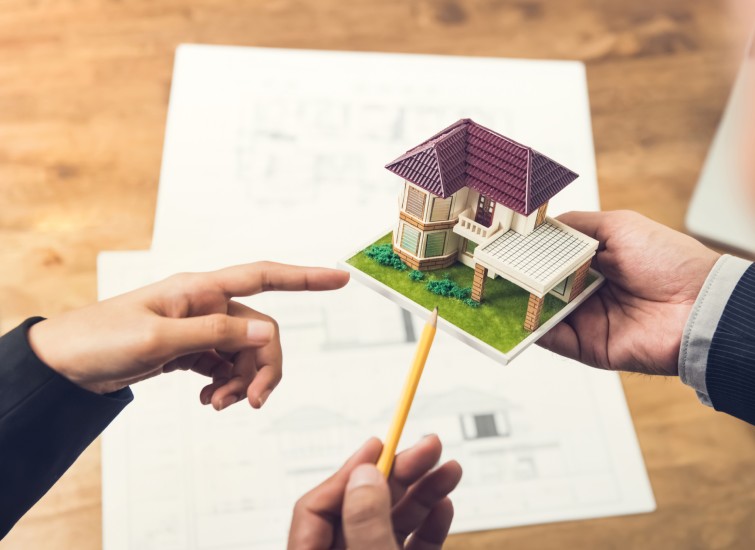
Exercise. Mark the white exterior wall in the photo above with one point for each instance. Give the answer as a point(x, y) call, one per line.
point(503, 216)
point(524, 224)
point(461, 200)
point(452, 243)
point(472, 198)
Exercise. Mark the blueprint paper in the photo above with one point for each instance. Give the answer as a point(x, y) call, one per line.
point(544, 439)
point(274, 154)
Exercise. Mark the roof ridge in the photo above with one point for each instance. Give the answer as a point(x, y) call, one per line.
point(528, 184)
point(504, 138)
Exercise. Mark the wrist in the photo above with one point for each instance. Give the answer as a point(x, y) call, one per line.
point(47, 346)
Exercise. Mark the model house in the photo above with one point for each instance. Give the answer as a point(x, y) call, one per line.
point(474, 196)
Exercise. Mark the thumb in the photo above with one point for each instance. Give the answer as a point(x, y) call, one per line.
point(216, 331)
point(367, 510)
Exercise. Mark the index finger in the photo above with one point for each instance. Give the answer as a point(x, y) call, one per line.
point(413, 463)
point(249, 279)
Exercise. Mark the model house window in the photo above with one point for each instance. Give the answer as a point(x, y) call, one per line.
point(441, 209)
point(410, 239)
point(415, 202)
point(435, 244)
point(469, 248)
point(560, 288)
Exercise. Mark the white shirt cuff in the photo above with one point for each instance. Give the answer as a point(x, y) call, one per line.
point(703, 321)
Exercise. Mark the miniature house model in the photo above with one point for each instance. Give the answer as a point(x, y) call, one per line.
point(475, 196)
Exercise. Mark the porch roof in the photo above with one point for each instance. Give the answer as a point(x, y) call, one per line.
point(537, 262)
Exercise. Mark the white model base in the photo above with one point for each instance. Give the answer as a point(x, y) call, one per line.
point(462, 335)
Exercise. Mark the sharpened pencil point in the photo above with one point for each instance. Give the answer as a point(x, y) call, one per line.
point(433, 320)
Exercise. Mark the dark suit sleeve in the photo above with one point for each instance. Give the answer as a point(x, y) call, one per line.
point(46, 421)
point(730, 373)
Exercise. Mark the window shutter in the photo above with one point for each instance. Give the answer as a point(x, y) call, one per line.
point(441, 209)
point(410, 239)
point(415, 202)
point(436, 242)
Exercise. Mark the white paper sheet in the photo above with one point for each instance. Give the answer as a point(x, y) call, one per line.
point(544, 439)
point(278, 155)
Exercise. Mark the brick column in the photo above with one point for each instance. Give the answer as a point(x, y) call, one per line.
point(580, 280)
point(534, 311)
point(478, 284)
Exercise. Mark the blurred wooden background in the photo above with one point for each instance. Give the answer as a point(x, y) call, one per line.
point(83, 95)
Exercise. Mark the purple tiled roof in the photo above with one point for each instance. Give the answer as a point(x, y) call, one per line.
point(467, 154)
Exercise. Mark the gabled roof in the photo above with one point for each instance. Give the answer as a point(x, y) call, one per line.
point(468, 154)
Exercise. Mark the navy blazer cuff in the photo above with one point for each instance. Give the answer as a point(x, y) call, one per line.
point(46, 422)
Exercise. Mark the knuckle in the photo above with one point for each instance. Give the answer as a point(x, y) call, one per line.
point(627, 215)
point(277, 377)
point(218, 325)
point(301, 503)
point(180, 280)
point(273, 322)
point(182, 284)
point(267, 319)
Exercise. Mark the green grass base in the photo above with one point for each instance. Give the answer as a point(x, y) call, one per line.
point(498, 321)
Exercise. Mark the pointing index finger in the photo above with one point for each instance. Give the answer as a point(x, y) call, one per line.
point(249, 279)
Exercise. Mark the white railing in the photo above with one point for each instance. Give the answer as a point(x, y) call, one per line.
point(470, 229)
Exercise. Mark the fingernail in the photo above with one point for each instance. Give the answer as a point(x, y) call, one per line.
point(364, 475)
point(228, 401)
point(262, 398)
point(259, 331)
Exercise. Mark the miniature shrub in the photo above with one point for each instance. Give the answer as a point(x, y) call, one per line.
point(384, 255)
point(441, 287)
point(461, 293)
point(415, 275)
point(448, 288)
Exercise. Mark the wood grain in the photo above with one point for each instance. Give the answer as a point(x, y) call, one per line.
point(83, 96)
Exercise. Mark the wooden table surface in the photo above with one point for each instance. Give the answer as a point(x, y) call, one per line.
point(83, 96)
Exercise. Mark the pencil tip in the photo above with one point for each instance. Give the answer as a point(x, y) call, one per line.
point(434, 317)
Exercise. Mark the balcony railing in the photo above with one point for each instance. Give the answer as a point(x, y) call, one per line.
point(470, 229)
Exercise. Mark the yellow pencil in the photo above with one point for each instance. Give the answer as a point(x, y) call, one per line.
point(385, 462)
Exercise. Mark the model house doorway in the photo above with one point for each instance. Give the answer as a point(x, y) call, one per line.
point(485, 211)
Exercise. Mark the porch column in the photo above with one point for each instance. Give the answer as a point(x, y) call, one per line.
point(478, 283)
point(580, 280)
point(541, 214)
point(534, 311)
